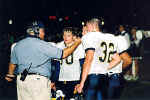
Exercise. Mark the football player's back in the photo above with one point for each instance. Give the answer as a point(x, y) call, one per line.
point(105, 46)
point(99, 48)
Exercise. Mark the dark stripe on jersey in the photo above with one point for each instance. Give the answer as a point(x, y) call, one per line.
point(89, 49)
point(81, 61)
point(62, 55)
point(123, 51)
point(114, 52)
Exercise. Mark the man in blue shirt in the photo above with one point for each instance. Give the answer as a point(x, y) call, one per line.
point(33, 57)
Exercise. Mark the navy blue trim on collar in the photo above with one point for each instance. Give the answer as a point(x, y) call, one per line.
point(114, 52)
point(123, 51)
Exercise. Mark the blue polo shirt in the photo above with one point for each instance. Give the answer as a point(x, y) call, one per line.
point(37, 52)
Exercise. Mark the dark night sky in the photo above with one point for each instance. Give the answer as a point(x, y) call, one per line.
point(68, 7)
point(112, 8)
point(65, 7)
point(132, 12)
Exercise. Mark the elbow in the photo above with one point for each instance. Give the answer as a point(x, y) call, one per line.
point(119, 60)
point(129, 61)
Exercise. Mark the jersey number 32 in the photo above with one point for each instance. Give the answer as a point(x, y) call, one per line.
point(107, 50)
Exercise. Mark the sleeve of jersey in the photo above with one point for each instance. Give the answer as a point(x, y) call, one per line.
point(88, 43)
point(123, 45)
point(51, 51)
point(13, 57)
point(81, 52)
point(12, 46)
point(52, 43)
point(60, 45)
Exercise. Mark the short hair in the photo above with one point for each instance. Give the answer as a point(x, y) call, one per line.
point(134, 28)
point(95, 21)
point(68, 29)
point(121, 25)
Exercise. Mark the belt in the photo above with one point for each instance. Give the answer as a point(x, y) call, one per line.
point(68, 82)
point(37, 74)
point(99, 74)
point(115, 75)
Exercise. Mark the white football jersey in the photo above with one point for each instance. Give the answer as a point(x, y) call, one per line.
point(122, 42)
point(123, 45)
point(127, 37)
point(105, 45)
point(70, 69)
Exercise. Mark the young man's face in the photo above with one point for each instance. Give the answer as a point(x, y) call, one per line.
point(133, 31)
point(42, 33)
point(84, 30)
point(68, 37)
point(121, 28)
point(89, 27)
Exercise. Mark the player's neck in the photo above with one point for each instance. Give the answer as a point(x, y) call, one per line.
point(68, 44)
point(95, 30)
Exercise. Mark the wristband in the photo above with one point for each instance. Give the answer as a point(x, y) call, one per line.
point(10, 75)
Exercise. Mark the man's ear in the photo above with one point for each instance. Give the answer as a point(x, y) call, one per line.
point(74, 37)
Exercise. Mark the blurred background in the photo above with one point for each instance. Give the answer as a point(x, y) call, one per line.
point(57, 14)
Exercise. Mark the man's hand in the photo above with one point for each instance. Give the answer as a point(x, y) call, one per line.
point(79, 87)
point(77, 39)
point(68, 51)
point(9, 77)
point(52, 85)
point(114, 62)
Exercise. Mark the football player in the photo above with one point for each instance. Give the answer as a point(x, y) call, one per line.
point(136, 37)
point(70, 67)
point(101, 55)
point(115, 74)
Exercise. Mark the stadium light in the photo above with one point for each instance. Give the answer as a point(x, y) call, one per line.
point(10, 22)
point(83, 23)
point(103, 23)
point(67, 18)
point(60, 19)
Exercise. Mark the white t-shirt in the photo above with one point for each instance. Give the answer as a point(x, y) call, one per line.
point(70, 69)
point(123, 45)
point(105, 45)
point(139, 37)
